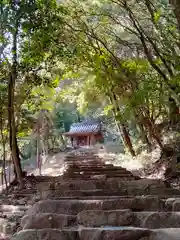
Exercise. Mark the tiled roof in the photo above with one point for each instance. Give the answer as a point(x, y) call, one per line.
point(86, 126)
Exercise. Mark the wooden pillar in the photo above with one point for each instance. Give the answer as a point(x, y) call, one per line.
point(89, 140)
point(77, 141)
point(72, 141)
point(93, 140)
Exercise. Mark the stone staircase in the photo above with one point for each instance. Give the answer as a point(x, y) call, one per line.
point(90, 166)
point(130, 216)
point(76, 207)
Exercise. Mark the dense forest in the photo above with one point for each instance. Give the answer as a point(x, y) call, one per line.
point(64, 61)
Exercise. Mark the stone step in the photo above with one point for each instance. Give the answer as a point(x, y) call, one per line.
point(83, 177)
point(150, 220)
point(25, 191)
point(41, 179)
point(82, 165)
point(47, 220)
point(48, 234)
point(22, 195)
point(157, 220)
point(99, 218)
point(87, 157)
point(59, 197)
point(87, 176)
point(118, 233)
point(85, 161)
point(73, 207)
point(97, 169)
point(86, 164)
point(110, 184)
point(55, 194)
point(173, 204)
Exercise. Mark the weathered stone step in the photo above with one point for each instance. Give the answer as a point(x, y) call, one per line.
point(85, 161)
point(59, 197)
point(55, 194)
point(90, 157)
point(173, 204)
point(109, 187)
point(120, 233)
point(157, 220)
point(161, 191)
point(47, 220)
point(84, 234)
point(87, 176)
point(84, 177)
point(25, 191)
point(143, 184)
point(48, 234)
point(150, 220)
point(84, 193)
point(97, 169)
point(99, 218)
point(73, 207)
point(93, 165)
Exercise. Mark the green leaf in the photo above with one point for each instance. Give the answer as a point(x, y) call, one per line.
point(157, 16)
point(107, 109)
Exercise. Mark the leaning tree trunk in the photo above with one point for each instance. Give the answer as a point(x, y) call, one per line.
point(11, 115)
point(125, 137)
point(144, 136)
point(127, 140)
point(143, 132)
point(153, 131)
point(121, 126)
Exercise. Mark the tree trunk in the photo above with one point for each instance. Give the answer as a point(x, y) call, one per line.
point(4, 158)
point(152, 131)
point(11, 116)
point(144, 136)
point(173, 112)
point(38, 155)
point(176, 6)
point(127, 140)
point(118, 124)
point(142, 131)
point(121, 126)
point(19, 159)
point(4, 166)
